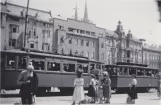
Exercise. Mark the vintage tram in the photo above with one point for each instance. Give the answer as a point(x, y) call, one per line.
point(120, 75)
point(52, 70)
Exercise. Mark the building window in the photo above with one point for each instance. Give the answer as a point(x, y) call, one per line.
point(76, 42)
point(62, 39)
point(82, 53)
point(76, 52)
point(82, 31)
point(70, 29)
point(82, 42)
point(93, 33)
point(46, 46)
point(87, 54)
point(102, 56)
point(31, 45)
point(93, 44)
point(14, 28)
point(70, 41)
point(46, 33)
point(87, 32)
point(34, 32)
point(70, 52)
point(102, 45)
point(87, 43)
point(60, 27)
point(93, 55)
point(12, 43)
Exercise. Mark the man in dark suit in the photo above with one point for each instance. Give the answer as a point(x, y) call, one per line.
point(29, 83)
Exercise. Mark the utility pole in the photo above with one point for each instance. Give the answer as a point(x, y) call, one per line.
point(142, 40)
point(26, 21)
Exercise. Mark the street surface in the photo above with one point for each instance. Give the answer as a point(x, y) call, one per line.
point(57, 99)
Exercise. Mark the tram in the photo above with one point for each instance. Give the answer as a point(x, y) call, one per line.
point(52, 70)
point(120, 75)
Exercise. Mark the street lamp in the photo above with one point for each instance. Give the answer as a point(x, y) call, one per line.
point(142, 40)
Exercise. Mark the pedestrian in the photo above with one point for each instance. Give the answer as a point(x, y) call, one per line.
point(78, 94)
point(159, 87)
point(29, 83)
point(132, 93)
point(106, 83)
point(97, 87)
point(92, 89)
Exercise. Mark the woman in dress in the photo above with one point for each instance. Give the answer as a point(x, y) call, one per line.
point(78, 94)
point(92, 88)
point(132, 91)
point(106, 83)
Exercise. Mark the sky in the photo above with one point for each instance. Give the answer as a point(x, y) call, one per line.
point(140, 16)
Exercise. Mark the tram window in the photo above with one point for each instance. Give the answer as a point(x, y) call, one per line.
point(148, 72)
point(84, 67)
point(98, 66)
point(132, 71)
point(140, 72)
point(154, 73)
point(126, 71)
point(69, 67)
point(11, 61)
point(53, 66)
point(22, 61)
point(38, 65)
point(2, 61)
point(114, 71)
point(119, 71)
point(92, 67)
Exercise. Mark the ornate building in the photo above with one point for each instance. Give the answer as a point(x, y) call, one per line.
point(72, 37)
point(39, 31)
point(121, 47)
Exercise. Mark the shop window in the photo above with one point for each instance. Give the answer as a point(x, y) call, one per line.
point(53, 66)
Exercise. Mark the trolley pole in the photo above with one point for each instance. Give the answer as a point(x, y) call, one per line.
point(26, 21)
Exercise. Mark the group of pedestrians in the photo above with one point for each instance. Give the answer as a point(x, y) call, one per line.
point(99, 88)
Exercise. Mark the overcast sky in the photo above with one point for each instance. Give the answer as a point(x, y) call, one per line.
point(140, 16)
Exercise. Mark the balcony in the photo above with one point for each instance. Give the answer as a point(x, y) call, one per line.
point(14, 35)
point(81, 34)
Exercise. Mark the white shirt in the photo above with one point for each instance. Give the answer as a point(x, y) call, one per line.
point(134, 82)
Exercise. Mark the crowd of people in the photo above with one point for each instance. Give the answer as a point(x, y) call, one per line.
point(99, 88)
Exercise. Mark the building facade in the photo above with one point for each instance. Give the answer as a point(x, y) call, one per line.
point(72, 37)
point(39, 31)
point(152, 56)
point(121, 47)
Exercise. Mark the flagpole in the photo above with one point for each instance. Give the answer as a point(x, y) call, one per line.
point(26, 21)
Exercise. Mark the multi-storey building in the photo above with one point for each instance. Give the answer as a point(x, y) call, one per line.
point(152, 56)
point(72, 37)
point(39, 31)
point(122, 48)
point(79, 37)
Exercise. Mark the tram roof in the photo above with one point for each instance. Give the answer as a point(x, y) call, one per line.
point(132, 66)
point(49, 55)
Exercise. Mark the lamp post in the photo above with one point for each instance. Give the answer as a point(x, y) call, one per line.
point(142, 40)
point(26, 21)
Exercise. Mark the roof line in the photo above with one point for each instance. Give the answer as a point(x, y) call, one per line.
point(26, 7)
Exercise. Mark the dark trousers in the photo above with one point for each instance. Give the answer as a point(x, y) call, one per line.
point(27, 100)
